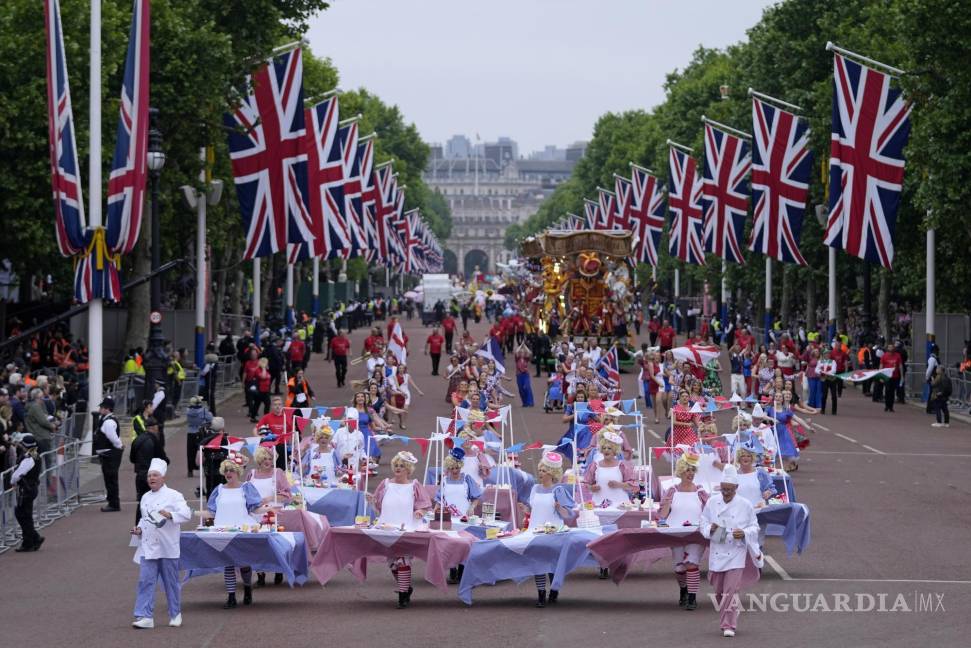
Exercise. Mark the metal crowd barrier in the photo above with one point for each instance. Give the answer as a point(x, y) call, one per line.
point(59, 490)
point(960, 384)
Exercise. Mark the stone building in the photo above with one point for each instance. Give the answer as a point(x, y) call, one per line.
point(486, 194)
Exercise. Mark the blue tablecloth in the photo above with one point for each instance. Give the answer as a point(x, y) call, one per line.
point(791, 522)
point(206, 552)
point(339, 505)
point(783, 483)
point(559, 554)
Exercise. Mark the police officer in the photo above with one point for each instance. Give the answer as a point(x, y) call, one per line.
point(109, 448)
point(27, 477)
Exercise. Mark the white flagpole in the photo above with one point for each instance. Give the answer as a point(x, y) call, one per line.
point(95, 312)
point(930, 312)
point(289, 312)
point(257, 307)
point(768, 297)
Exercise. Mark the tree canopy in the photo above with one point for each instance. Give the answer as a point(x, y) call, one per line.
point(201, 52)
point(784, 56)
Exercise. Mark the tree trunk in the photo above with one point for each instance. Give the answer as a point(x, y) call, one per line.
point(785, 310)
point(883, 305)
point(138, 299)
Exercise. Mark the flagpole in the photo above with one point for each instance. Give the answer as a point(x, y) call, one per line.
point(95, 312)
point(830, 47)
point(768, 298)
point(724, 306)
point(316, 288)
point(930, 312)
point(832, 294)
point(677, 294)
point(257, 307)
point(288, 316)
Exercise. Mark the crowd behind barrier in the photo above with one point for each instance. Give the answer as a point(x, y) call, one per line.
point(60, 487)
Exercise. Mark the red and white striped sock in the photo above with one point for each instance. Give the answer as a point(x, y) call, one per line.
point(682, 579)
point(694, 580)
point(404, 578)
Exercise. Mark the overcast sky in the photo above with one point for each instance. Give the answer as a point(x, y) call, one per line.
point(539, 71)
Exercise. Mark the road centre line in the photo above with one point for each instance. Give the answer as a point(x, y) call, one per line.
point(891, 454)
point(843, 436)
point(872, 449)
point(777, 568)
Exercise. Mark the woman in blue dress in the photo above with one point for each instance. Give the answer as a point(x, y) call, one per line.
point(784, 416)
point(550, 503)
point(367, 419)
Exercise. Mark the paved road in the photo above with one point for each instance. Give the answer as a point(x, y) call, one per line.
point(889, 497)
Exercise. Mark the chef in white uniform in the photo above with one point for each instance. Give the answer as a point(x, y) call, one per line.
point(681, 506)
point(349, 440)
point(163, 511)
point(729, 522)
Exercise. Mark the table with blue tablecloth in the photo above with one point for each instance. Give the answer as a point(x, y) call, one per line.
point(209, 552)
point(339, 505)
point(524, 555)
point(791, 522)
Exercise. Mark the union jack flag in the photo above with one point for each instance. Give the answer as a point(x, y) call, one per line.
point(608, 367)
point(646, 214)
point(396, 226)
point(725, 193)
point(365, 160)
point(330, 179)
point(129, 167)
point(575, 222)
point(267, 146)
point(623, 190)
point(347, 134)
point(608, 208)
point(322, 119)
point(684, 194)
point(781, 164)
point(65, 174)
point(383, 176)
point(592, 212)
point(871, 124)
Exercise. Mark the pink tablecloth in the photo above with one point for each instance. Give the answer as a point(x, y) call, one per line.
point(351, 547)
point(313, 526)
point(619, 549)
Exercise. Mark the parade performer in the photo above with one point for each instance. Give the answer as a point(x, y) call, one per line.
point(522, 376)
point(163, 512)
point(232, 505)
point(784, 417)
point(682, 506)
point(611, 480)
point(477, 465)
point(349, 440)
point(550, 503)
point(367, 419)
point(269, 479)
point(458, 493)
point(685, 422)
point(729, 522)
point(401, 502)
point(323, 459)
point(754, 483)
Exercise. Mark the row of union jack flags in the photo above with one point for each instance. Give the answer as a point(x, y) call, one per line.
point(97, 251)
point(770, 171)
point(307, 183)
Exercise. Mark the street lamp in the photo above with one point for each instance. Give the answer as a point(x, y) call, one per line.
point(156, 360)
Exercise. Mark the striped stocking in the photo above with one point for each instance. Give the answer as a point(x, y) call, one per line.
point(694, 580)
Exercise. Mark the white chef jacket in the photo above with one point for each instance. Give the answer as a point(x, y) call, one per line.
point(163, 541)
point(726, 552)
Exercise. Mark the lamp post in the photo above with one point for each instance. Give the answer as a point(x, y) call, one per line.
point(156, 360)
point(821, 216)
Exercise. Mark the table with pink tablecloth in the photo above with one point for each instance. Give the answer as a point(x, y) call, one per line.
point(313, 526)
point(351, 547)
point(618, 550)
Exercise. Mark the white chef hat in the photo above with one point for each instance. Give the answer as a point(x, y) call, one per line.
point(159, 466)
point(730, 475)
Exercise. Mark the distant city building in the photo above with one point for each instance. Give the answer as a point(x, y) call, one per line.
point(458, 146)
point(576, 151)
point(490, 191)
point(501, 152)
point(436, 152)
